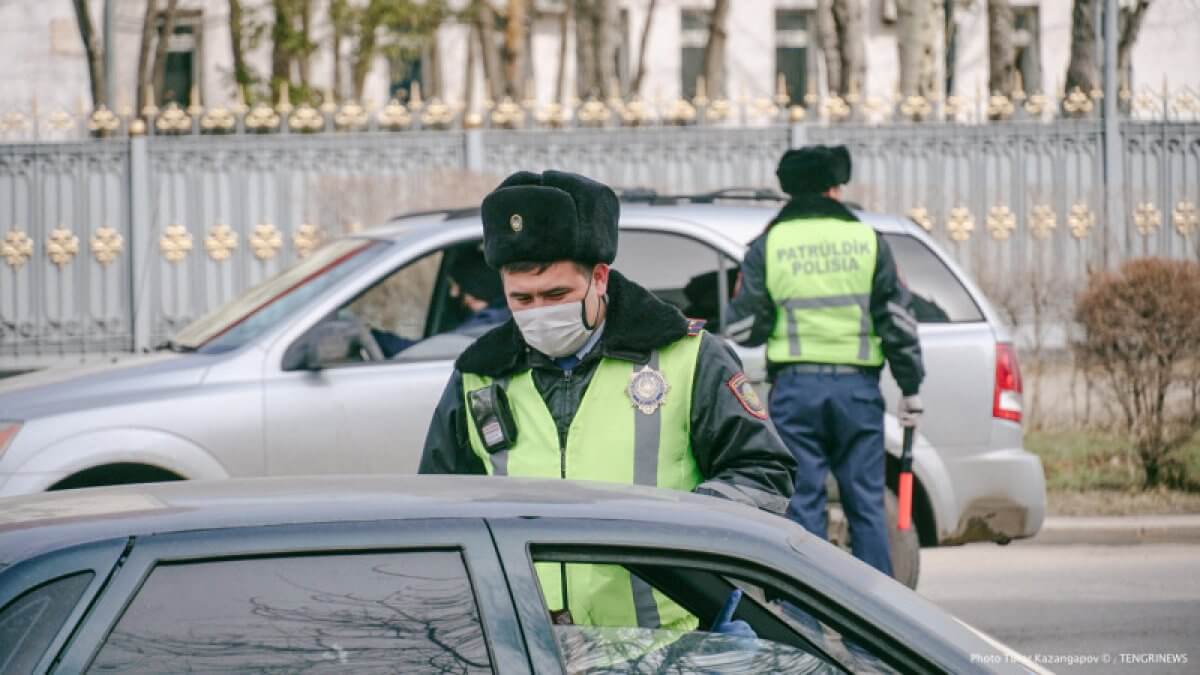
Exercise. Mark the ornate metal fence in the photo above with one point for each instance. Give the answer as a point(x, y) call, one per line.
point(110, 244)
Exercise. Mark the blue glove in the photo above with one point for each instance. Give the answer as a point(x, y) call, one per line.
point(727, 625)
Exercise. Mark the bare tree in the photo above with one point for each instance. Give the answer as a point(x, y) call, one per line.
point(636, 87)
point(161, 48)
point(564, 26)
point(143, 66)
point(840, 30)
point(595, 46)
point(916, 42)
point(485, 28)
point(1083, 71)
point(1130, 25)
point(516, 30)
point(714, 49)
point(1002, 53)
point(950, 46)
point(92, 49)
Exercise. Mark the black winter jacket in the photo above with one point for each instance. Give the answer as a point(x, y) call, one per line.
point(750, 317)
point(739, 454)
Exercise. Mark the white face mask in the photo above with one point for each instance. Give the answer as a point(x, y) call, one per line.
point(556, 330)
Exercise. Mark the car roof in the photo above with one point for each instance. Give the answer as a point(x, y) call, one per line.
point(35, 524)
point(740, 221)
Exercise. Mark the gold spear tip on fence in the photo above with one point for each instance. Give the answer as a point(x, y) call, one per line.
point(414, 98)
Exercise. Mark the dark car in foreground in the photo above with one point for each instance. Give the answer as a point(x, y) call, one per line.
point(436, 574)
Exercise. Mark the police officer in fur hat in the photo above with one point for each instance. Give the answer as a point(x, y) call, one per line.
point(821, 290)
point(595, 378)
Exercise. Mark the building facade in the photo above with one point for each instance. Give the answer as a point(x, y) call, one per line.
point(767, 40)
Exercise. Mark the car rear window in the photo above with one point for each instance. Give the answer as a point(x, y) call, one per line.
point(29, 623)
point(401, 612)
point(937, 295)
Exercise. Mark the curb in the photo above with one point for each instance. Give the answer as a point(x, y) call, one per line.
point(1119, 530)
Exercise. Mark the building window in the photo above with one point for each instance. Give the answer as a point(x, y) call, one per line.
point(1027, 39)
point(792, 41)
point(693, 36)
point(183, 67)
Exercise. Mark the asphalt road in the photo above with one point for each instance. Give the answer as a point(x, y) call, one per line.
point(1137, 606)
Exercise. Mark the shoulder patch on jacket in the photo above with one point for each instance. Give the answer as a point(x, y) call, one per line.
point(695, 326)
point(744, 392)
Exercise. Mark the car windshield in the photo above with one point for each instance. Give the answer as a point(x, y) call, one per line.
point(265, 305)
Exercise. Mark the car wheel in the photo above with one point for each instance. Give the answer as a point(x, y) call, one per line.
point(905, 546)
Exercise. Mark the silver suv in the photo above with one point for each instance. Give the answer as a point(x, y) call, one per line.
point(287, 378)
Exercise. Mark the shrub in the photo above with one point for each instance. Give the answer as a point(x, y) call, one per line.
point(1141, 332)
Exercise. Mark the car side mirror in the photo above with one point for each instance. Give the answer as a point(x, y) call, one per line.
point(329, 342)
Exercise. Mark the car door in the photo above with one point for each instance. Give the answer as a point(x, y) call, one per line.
point(957, 347)
point(367, 411)
point(795, 630)
point(42, 599)
point(379, 596)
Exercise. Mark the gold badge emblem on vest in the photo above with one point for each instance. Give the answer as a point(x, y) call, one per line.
point(647, 389)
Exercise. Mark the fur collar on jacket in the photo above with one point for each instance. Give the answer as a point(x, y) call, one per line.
point(637, 323)
point(812, 206)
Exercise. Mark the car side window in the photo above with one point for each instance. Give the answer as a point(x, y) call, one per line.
point(395, 309)
point(393, 612)
point(937, 295)
point(663, 619)
point(29, 623)
point(690, 281)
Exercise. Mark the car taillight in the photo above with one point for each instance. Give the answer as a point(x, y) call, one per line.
point(1006, 401)
point(7, 431)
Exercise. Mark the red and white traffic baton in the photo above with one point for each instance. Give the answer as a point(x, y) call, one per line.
point(904, 512)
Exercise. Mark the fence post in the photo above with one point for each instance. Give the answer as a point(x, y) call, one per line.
point(473, 150)
point(140, 242)
point(1114, 148)
point(798, 136)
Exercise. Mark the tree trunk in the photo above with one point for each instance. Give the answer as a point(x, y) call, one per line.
point(1130, 23)
point(1083, 71)
point(829, 38)
point(585, 48)
point(92, 49)
point(433, 80)
point(560, 82)
point(595, 46)
point(485, 25)
point(714, 50)
point(305, 56)
point(241, 73)
point(950, 36)
point(1002, 53)
point(161, 51)
point(280, 57)
point(143, 66)
point(469, 80)
point(636, 88)
point(853, 45)
point(515, 31)
point(911, 17)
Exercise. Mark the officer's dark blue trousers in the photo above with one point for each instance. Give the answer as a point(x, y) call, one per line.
point(834, 421)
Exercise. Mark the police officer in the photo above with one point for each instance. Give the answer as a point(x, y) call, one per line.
point(821, 290)
point(595, 378)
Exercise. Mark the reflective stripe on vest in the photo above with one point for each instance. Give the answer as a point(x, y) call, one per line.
point(819, 273)
point(611, 440)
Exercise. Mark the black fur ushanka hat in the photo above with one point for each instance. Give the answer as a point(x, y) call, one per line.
point(813, 169)
point(550, 217)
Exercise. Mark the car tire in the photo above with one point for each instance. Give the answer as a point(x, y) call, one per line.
point(905, 545)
